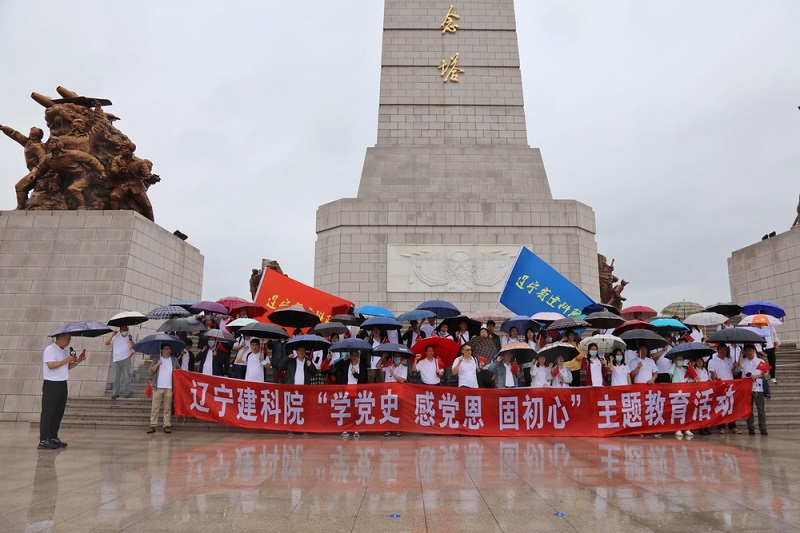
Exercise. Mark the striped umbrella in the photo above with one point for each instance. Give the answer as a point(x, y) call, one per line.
point(167, 311)
point(682, 309)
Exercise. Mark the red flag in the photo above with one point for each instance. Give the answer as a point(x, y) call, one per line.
point(764, 367)
point(555, 371)
point(514, 367)
point(691, 373)
point(277, 290)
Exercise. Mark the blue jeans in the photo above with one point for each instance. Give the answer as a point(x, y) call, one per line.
point(122, 375)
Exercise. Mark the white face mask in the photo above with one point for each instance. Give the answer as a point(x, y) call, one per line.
point(124, 333)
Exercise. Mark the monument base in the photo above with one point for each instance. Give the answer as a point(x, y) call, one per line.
point(62, 266)
point(767, 271)
point(398, 254)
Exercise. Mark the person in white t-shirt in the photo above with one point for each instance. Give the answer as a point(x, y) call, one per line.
point(466, 368)
point(428, 368)
point(241, 347)
point(121, 344)
point(751, 370)
point(429, 327)
point(254, 362)
point(620, 373)
point(721, 366)
point(162, 388)
point(645, 370)
point(541, 373)
point(57, 361)
point(562, 376)
point(462, 335)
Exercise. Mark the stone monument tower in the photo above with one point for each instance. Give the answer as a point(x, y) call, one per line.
point(451, 190)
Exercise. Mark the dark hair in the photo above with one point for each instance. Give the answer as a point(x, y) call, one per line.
point(490, 323)
point(166, 345)
point(595, 345)
point(255, 340)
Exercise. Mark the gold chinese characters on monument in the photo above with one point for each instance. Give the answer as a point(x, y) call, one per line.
point(449, 24)
point(86, 163)
point(449, 69)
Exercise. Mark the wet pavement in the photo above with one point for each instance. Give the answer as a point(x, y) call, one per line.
point(114, 480)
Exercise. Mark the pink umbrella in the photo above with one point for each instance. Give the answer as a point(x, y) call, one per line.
point(639, 312)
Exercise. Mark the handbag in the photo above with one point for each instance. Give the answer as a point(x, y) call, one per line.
point(148, 391)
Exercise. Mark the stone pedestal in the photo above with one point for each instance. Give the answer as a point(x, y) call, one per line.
point(769, 271)
point(61, 266)
point(451, 190)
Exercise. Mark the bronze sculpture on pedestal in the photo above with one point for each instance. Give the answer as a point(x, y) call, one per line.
point(86, 163)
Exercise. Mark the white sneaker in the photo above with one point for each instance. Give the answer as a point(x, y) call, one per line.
point(657, 435)
point(688, 433)
point(773, 381)
point(679, 433)
point(345, 434)
point(356, 435)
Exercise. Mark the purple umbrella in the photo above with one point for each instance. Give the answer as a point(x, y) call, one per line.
point(91, 328)
point(210, 307)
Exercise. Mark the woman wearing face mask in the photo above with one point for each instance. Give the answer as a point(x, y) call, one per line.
point(620, 373)
point(701, 374)
point(595, 367)
point(396, 372)
point(678, 374)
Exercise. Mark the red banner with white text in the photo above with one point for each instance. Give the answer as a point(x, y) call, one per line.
point(278, 290)
point(571, 411)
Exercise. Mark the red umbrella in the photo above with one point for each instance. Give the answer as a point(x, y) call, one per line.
point(633, 324)
point(445, 349)
point(235, 304)
point(638, 312)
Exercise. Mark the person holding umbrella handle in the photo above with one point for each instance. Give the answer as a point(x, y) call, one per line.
point(121, 343)
point(57, 362)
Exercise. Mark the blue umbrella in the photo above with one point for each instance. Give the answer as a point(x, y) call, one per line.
point(394, 348)
point(373, 310)
point(381, 322)
point(416, 314)
point(91, 328)
point(768, 308)
point(167, 311)
point(151, 345)
point(441, 308)
point(309, 342)
point(668, 325)
point(351, 345)
point(521, 322)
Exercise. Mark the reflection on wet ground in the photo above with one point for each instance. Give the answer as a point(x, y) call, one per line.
point(126, 480)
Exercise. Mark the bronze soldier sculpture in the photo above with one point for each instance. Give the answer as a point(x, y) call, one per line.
point(86, 163)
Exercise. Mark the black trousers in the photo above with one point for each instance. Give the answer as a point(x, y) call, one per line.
point(771, 360)
point(54, 401)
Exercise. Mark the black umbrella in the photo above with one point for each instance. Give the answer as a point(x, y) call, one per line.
point(736, 336)
point(599, 308)
point(351, 345)
point(473, 326)
point(311, 343)
point(643, 337)
point(728, 309)
point(326, 329)
point(567, 323)
point(604, 320)
point(182, 324)
point(347, 320)
point(521, 351)
point(91, 328)
point(567, 351)
point(690, 350)
point(264, 331)
point(395, 349)
point(295, 316)
point(440, 308)
point(127, 318)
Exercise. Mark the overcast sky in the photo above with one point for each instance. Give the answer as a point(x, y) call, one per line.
point(676, 121)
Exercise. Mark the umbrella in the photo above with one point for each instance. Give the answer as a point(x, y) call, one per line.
point(632, 324)
point(311, 343)
point(209, 307)
point(295, 316)
point(767, 308)
point(638, 312)
point(605, 343)
point(485, 315)
point(326, 329)
point(706, 318)
point(416, 314)
point(374, 310)
point(735, 336)
point(218, 334)
point(167, 311)
point(347, 320)
point(690, 350)
point(151, 345)
point(604, 320)
point(92, 328)
point(264, 331)
point(725, 308)
point(384, 322)
point(235, 304)
point(440, 308)
point(599, 308)
point(395, 349)
point(567, 323)
point(234, 325)
point(668, 325)
point(445, 349)
point(682, 309)
point(546, 317)
point(127, 318)
point(482, 347)
point(521, 351)
point(186, 304)
point(759, 320)
point(351, 345)
point(643, 337)
point(521, 322)
point(555, 349)
point(759, 331)
point(182, 324)
point(473, 326)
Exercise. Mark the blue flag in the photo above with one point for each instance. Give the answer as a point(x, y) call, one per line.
point(533, 286)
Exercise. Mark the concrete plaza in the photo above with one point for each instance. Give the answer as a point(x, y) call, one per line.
point(115, 480)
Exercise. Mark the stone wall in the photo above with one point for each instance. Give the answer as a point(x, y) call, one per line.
point(62, 266)
point(768, 271)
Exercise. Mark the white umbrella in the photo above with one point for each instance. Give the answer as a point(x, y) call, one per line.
point(705, 319)
point(547, 317)
point(748, 319)
point(127, 318)
point(605, 343)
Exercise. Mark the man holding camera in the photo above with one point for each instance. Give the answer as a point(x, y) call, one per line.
point(57, 361)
